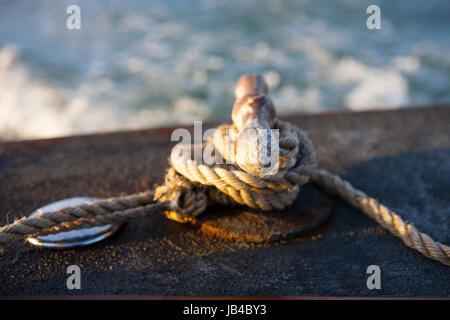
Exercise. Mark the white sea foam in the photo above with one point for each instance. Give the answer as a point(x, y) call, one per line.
point(145, 64)
point(374, 87)
point(32, 108)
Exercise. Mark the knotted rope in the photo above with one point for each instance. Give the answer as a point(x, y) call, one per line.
point(190, 186)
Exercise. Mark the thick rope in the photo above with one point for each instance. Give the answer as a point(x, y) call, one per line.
point(189, 187)
point(89, 214)
point(387, 218)
point(269, 192)
point(297, 167)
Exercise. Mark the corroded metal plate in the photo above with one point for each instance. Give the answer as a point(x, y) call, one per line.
point(311, 208)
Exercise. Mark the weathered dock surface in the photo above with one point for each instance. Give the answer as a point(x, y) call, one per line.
point(401, 157)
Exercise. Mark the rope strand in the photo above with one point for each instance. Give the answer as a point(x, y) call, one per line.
point(89, 214)
point(387, 218)
point(189, 187)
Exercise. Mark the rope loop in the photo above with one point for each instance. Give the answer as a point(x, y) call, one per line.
point(231, 183)
point(186, 199)
point(274, 191)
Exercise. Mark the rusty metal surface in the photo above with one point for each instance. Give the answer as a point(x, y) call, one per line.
point(309, 211)
point(400, 157)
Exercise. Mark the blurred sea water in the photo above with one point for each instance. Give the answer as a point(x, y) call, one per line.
point(139, 64)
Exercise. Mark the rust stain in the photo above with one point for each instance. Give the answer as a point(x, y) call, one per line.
point(242, 224)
